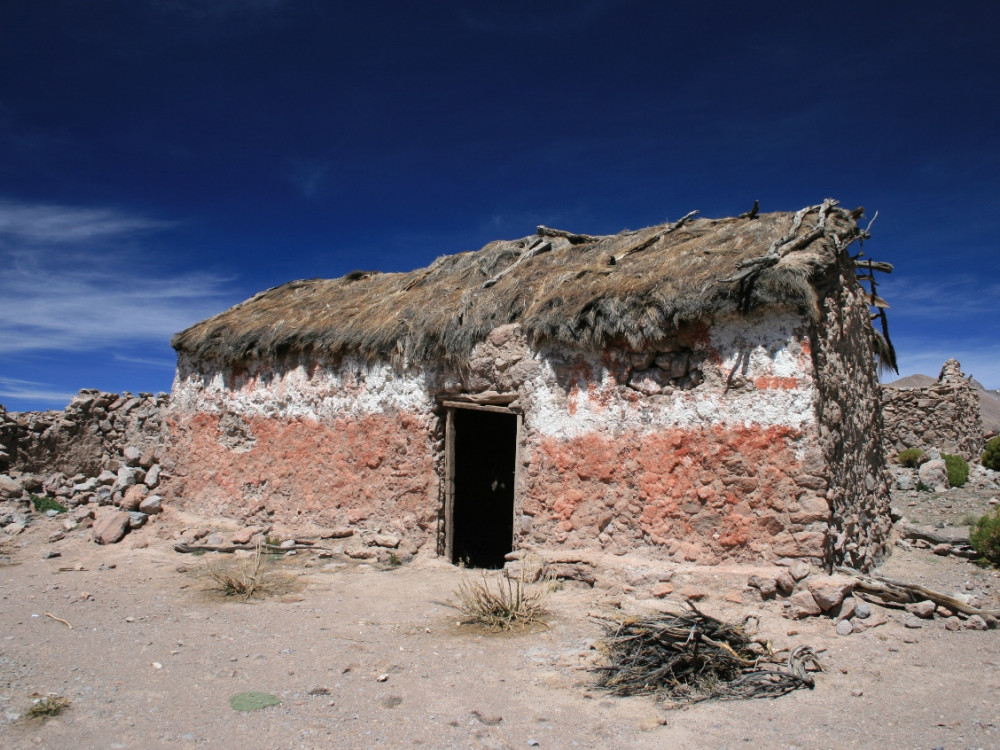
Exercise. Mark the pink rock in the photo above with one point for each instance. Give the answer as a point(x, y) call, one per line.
point(110, 527)
point(338, 532)
point(785, 582)
point(133, 497)
point(662, 589)
point(243, 535)
point(386, 540)
point(693, 593)
point(767, 586)
point(803, 605)
point(829, 591)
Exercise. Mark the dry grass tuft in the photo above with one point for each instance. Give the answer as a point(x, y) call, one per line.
point(5, 552)
point(247, 577)
point(47, 706)
point(510, 603)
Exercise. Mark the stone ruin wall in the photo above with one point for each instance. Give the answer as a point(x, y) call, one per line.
point(851, 425)
point(704, 448)
point(944, 416)
point(103, 449)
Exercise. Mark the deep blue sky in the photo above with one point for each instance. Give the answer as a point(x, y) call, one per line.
point(161, 160)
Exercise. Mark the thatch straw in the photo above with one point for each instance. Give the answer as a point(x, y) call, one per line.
point(582, 291)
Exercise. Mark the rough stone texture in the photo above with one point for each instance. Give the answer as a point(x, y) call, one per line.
point(851, 424)
point(111, 526)
point(945, 416)
point(80, 455)
point(721, 464)
point(95, 429)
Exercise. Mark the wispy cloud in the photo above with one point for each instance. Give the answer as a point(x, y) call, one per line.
point(12, 388)
point(145, 361)
point(65, 290)
point(944, 297)
point(68, 224)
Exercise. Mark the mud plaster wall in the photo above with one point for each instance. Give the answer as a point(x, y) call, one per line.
point(308, 445)
point(944, 416)
point(722, 463)
point(851, 425)
point(704, 448)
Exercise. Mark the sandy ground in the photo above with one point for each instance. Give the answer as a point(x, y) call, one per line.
point(364, 657)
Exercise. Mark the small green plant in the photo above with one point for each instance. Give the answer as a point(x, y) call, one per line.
point(511, 602)
point(394, 561)
point(985, 538)
point(910, 457)
point(46, 706)
point(958, 470)
point(43, 503)
point(991, 454)
point(921, 487)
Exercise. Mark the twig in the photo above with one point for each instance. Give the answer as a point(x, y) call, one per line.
point(58, 619)
point(654, 238)
point(537, 248)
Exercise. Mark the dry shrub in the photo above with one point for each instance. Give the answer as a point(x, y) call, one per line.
point(508, 603)
point(247, 577)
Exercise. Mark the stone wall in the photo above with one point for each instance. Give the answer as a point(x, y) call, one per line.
point(703, 447)
point(851, 424)
point(86, 437)
point(944, 416)
point(103, 449)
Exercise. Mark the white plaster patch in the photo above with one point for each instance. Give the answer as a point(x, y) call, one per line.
point(353, 389)
point(762, 347)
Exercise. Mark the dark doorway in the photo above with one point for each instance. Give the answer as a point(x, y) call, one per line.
point(485, 449)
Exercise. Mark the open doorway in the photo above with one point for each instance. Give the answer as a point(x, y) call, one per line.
point(483, 452)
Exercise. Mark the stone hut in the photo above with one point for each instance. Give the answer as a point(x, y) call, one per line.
point(703, 390)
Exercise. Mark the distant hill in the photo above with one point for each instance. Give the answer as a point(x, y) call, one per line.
point(989, 401)
point(913, 381)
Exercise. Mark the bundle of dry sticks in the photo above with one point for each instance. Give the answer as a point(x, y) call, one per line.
point(692, 657)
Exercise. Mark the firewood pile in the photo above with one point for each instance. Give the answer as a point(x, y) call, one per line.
point(692, 657)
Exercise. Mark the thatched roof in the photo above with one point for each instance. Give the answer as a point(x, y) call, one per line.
point(583, 291)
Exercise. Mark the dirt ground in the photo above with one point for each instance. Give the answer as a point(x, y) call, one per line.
point(361, 657)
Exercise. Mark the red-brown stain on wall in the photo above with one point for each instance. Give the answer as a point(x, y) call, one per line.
point(343, 471)
point(724, 489)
